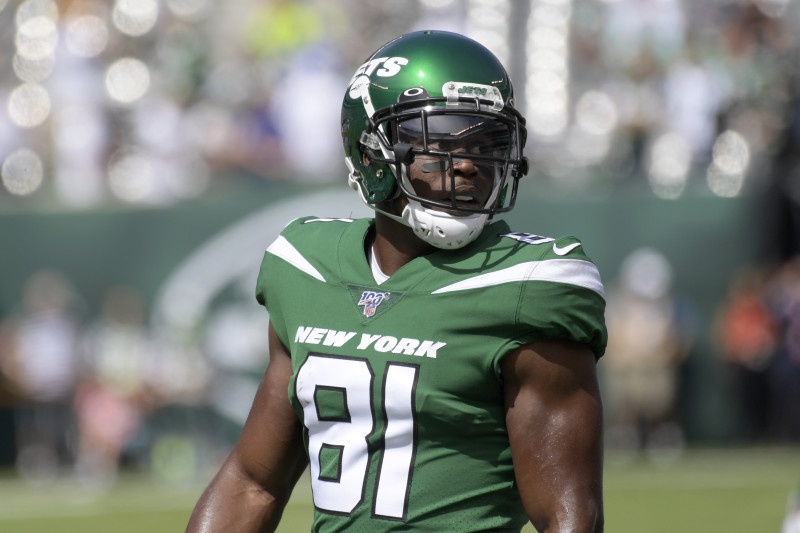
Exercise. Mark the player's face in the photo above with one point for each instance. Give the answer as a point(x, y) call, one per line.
point(432, 178)
point(470, 180)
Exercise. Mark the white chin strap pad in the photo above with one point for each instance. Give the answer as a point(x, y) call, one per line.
point(441, 229)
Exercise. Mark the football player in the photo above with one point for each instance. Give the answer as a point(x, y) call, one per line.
point(434, 370)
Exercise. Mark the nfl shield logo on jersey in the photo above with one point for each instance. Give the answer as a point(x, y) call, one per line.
point(371, 300)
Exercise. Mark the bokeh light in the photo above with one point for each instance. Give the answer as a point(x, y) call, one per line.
point(135, 17)
point(670, 162)
point(547, 74)
point(36, 8)
point(731, 153)
point(86, 36)
point(127, 80)
point(130, 175)
point(487, 21)
point(29, 105)
point(587, 148)
point(596, 113)
point(22, 172)
point(723, 184)
point(544, 59)
point(36, 38)
point(730, 161)
point(189, 10)
point(33, 70)
point(436, 4)
point(549, 15)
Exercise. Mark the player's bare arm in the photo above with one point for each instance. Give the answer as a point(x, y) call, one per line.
point(554, 418)
point(251, 489)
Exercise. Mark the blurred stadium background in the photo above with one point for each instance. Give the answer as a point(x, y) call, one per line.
point(151, 149)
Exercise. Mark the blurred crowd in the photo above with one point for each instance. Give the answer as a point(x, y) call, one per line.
point(758, 335)
point(652, 330)
point(152, 102)
point(91, 394)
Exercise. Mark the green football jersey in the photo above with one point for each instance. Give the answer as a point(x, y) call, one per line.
point(399, 386)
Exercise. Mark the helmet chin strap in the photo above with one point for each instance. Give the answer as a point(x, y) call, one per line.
point(441, 229)
point(437, 228)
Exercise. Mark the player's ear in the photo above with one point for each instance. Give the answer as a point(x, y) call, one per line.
point(365, 159)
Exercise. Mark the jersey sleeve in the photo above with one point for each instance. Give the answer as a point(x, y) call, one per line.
point(272, 270)
point(266, 295)
point(299, 260)
point(563, 299)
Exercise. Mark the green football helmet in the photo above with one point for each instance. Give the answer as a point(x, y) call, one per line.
point(420, 96)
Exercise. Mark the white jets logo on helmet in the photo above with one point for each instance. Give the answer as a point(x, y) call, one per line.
point(389, 66)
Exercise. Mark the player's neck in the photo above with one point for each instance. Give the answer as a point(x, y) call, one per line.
point(394, 244)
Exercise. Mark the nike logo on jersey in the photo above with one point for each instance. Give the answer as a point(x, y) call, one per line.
point(566, 249)
point(532, 238)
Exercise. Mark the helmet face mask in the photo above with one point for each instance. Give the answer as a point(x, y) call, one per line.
point(438, 98)
point(442, 137)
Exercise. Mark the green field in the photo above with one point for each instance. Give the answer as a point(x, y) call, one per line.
point(705, 491)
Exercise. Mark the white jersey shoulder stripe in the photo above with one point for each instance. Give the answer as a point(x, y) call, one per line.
point(570, 271)
point(284, 249)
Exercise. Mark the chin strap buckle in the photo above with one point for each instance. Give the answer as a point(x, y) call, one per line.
point(403, 153)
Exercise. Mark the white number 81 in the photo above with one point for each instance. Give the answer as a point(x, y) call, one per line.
point(348, 435)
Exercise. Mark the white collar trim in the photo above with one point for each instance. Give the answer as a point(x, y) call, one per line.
point(377, 273)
